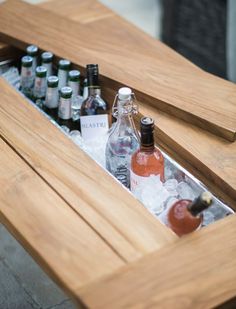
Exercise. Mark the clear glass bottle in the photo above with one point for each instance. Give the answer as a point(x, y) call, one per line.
point(52, 97)
point(186, 216)
point(94, 118)
point(46, 59)
point(27, 76)
point(64, 108)
point(124, 139)
point(33, 51)
point(77, 100)
point(148, 160)
point(63, 69)
point(40, 86)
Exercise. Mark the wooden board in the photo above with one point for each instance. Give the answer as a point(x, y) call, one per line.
point(198, 271)
point(65, 246)
point(190, 94)
point(112, 211)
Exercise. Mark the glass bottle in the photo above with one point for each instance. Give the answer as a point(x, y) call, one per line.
point(64, 108)
point(27, 76)
point(186, 216)
point(94, 119)
point(33, 51)
point(52, 97)
point(74, 83)
point(46, 59)
point(63, 69)
point(40, 86)
point(148, 160)
point(124, 139)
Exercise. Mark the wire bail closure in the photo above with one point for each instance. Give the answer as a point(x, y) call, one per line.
point(133, 108)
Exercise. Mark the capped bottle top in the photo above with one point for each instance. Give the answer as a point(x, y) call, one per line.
point(32, 50)
point(93, 68)
point(41, 71)
point(66, 92)
point(27, 61)
point(202, 202)
point(52, 81)
point(46, 57)
point(74, 76)
point(124, 93)
point(146, 124)
point(64, 64)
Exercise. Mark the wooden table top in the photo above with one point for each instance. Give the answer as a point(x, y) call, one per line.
point(92, 237)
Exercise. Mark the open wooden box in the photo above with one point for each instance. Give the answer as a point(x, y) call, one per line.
point(91, 236)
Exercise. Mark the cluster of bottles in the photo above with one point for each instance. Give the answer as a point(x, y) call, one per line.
point(130, 157)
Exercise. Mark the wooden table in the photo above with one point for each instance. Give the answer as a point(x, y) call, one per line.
point(91, 236)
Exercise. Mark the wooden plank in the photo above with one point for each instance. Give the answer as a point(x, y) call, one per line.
point(192, 95)
point(63, 244)
point(198, 271)
point(112, 211)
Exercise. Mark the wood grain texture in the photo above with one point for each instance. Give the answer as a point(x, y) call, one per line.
point(192, 95)
point(65, 246)
point(112, 211)
point(198, 271)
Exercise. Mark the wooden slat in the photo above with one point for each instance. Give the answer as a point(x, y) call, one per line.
point(112, 211)
point(198, 271)
point(192, 95)
point(60, 241)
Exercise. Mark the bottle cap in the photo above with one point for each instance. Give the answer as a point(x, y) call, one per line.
point(52, 81)
point(32, 50)
point(146, 124)
point(124, 93)
point(66, 92)
point(74, 76)
point(27, 61)
point(41, 71)
point(46, 57)
point(64, 64)
point(92, 69)
point(202, 202)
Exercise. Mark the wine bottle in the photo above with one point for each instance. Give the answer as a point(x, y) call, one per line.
point(94, 118)
point(148, 160)
point(64, 108)
point(186, 216)
point(77, 100)
point(52, 97)
point(124, 139)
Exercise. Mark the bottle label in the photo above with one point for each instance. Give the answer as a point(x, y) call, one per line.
point(40, 85)
point(137, 181)
point(27, 77)
point(94, 126)
point(52, 97)
point(62, 76)
point(64, 110)
point(75, 88)
point(122, 174)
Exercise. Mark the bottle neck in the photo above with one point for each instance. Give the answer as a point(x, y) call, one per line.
point(197, 206)
point(94, 90)
point(147, 142)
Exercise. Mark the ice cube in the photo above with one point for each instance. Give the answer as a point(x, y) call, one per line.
point(171, 186)
point(185, 191)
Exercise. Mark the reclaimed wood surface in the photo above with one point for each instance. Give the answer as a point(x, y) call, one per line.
point(64, 245)
point(185, 93)
point(198, 271)
point(98, 198)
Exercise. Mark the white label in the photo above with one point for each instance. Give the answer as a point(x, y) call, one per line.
point(94, 126)
point(64, 111)
point(40, 86)
point(62, 75)
point(52, 97)
point(27, 77)
point(136, 181)
point(75, 88)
